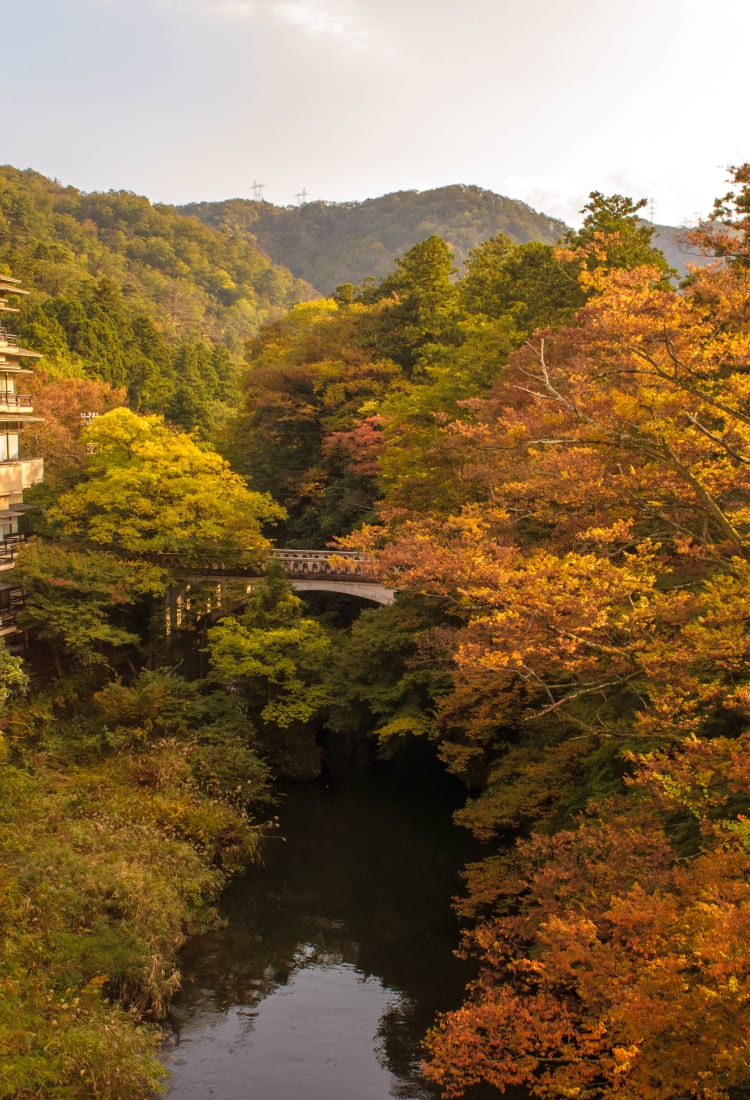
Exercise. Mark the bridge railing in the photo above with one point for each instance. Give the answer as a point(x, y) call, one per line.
point(316, 563)
point(299, 564)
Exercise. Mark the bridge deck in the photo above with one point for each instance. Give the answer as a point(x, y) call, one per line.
point(296, 563)
point(308, 570)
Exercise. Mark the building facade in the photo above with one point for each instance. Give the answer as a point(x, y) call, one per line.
point(16, 473)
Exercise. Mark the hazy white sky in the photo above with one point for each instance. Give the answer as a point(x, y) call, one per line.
point(542, 100)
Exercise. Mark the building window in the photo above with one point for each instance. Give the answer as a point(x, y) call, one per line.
point(8, 446)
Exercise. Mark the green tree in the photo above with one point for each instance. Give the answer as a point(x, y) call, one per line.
point(420, 302)
point(420, 463)
point(277, 661)
point(612, 235)
point(13, 682)
point(75, 601)
point(150, 490)
point(529, 284)
point(387, 673)
point(220, 738)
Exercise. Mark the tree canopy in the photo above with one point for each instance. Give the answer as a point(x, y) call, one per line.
point(596, 560)
point(151, 490)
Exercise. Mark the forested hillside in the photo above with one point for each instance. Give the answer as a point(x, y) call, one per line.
point(136, 295)
point(328, 243)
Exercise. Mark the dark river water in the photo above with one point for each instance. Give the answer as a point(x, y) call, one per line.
point(336, 955)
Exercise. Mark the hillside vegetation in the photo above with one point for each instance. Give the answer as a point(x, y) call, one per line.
point(134, 294)
point(161, 305)
point(328, 243)
point(548, 455)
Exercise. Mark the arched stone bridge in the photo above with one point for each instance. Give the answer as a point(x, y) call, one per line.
point(315, 571)
point(308, 571)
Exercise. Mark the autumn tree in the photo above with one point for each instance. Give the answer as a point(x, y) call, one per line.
point(597, 563)
point(602, 525)
point(615, 962)
point(66, 406)
point(313, 379)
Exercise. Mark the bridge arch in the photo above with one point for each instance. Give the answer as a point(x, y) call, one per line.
point(328, 571)
point(365, 590)
point(343, 571)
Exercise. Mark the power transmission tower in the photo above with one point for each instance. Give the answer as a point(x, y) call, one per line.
point(301, 196)
point(652, 211)
point(258, 191)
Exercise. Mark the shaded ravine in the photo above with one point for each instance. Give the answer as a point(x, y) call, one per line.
point(336, 955)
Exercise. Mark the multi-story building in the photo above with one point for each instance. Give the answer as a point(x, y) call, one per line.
point(16, 473)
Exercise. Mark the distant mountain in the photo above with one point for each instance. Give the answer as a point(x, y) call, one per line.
point(328, 243)
point(677, 251)
point(142, 296)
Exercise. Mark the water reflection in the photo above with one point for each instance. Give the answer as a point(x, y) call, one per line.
point(336, 956)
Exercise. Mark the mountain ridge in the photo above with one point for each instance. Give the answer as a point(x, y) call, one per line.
point(329, 243)
point(334, 242)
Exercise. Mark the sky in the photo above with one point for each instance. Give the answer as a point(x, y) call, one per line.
point(343, 100)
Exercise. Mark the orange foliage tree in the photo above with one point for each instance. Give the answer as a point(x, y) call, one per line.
point(615, 966)
point(601, 567)
point(607, 540)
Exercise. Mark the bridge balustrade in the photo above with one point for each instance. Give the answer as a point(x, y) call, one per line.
point(318, 563)
point(296, 563)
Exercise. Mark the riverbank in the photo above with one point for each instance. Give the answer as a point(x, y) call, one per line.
point(112, 855)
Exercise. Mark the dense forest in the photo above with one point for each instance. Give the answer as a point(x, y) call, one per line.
point(136, 295)
point(546, 454)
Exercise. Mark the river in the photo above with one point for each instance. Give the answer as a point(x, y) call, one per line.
point(336, 955)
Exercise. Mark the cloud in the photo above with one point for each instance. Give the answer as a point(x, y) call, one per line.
point(558, 196)
point(343, 21)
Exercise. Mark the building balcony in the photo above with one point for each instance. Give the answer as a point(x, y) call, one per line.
point(15, 402)
point(8, 555)
point(11, 350)
point(19, 474)
point(7, 622)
